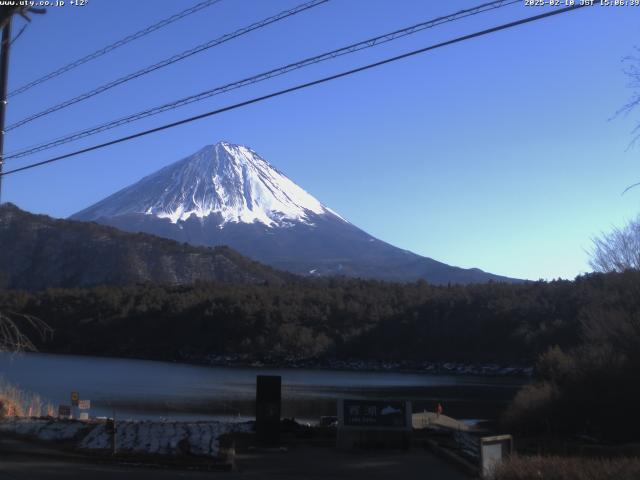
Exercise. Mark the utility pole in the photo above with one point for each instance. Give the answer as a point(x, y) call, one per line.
point(4, 76)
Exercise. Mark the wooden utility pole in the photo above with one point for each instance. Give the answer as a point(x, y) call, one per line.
point(4, 76)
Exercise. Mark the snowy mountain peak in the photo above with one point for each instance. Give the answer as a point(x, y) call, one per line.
point(224, 179)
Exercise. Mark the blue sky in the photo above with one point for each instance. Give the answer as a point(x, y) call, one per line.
point(497, 153)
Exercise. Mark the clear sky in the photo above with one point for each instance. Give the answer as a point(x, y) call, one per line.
point(497, 153)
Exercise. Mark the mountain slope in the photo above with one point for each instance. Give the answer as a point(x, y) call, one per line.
point(226, 194)
point(40, 252)
point(230, 182)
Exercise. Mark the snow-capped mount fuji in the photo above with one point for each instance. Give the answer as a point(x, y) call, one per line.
point(226, 194)
point(231, 182)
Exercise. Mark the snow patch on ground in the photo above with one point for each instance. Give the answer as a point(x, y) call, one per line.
point(43, 429)
point(149, 437)
point(164, 438)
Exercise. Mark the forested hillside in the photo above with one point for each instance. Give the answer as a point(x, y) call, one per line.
point(329, 318)
point(39, 251)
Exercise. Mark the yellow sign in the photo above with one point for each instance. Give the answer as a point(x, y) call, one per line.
point(75, 398)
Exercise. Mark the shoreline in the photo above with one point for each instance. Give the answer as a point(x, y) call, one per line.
point(480, 369)
point(423, 367)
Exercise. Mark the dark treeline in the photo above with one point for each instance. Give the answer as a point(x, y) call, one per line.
point(592, 387)
point(330, 318)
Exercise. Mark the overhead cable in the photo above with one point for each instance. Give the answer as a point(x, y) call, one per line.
point(369, 43)
point(114, 45)
point(298, 87)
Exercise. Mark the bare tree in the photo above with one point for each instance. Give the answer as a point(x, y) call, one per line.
point(618, 250)
point(12, 331)
point(632, 71)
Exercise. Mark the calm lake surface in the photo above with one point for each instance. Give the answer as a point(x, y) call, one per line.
point(143, 389)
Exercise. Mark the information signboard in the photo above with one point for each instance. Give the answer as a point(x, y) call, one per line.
point(366, 423)
point(84, 404)
point(375, 414)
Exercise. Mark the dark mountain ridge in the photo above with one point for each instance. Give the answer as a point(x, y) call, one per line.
point(40, 252)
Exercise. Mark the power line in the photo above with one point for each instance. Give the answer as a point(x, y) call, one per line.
point(168, 61)
point(299, 87)
point(369, 43)
point(113, 46)
point(20, 32)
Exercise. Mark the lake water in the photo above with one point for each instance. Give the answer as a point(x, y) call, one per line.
point(152, 390)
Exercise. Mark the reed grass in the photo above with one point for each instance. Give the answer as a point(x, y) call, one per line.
point(15, 402)
point(568, 468)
